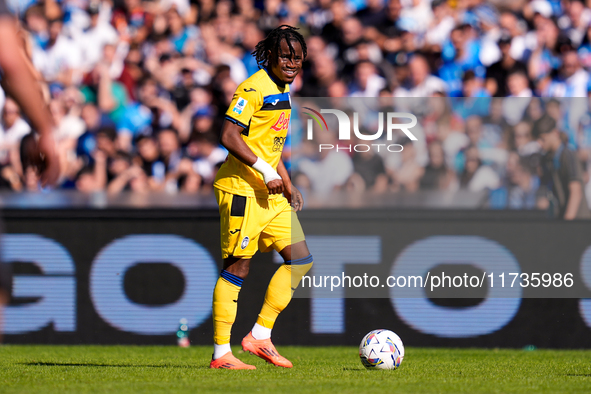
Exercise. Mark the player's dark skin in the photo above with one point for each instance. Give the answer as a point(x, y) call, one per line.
point(285, 68)
point(19, 82)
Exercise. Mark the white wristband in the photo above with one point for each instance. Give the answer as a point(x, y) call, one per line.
point(269, 174)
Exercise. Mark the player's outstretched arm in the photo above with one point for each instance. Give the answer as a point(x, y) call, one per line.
point(233, 142)
point(19, 82)
point(292, 194)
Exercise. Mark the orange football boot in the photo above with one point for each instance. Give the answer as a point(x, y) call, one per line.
point(265, 350)
point(228, 361)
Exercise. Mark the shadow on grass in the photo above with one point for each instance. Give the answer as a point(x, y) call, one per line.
point(585, 375)
point(43, 364)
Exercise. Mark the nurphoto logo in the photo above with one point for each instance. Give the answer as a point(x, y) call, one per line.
point(390, 118)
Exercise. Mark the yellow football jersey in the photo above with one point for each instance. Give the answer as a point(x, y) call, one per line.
point(262, 107)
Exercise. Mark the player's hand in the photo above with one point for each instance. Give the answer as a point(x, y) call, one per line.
point(275, 186)
point(51, 167)
point(294, 197)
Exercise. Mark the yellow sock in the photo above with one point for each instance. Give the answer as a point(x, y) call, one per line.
point(280, 290)
point(225, 305)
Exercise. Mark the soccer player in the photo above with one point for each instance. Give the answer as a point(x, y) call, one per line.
point(257, 200)
point(18, 80)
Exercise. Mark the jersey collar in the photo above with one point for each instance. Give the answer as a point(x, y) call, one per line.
point(277, 81)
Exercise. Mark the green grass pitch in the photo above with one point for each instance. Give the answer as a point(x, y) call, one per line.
point(148, 369)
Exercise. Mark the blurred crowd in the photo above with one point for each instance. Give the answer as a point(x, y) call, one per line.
point(138, 89)
point(494, 146)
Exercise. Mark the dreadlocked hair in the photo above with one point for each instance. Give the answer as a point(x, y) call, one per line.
point(273, 42)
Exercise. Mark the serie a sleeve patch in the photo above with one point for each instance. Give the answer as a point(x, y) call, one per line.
point(240, 104)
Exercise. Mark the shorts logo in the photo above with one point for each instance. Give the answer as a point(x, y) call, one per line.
point(278, 144)
point(240, 104)
point(244, 243)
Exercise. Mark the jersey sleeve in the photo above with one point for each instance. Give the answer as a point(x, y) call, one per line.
point(246, 101)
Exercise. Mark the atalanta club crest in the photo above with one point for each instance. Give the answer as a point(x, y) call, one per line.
point(245, 242)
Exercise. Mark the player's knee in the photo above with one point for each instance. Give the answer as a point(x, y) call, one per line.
point(237, 266)
point(299, 250)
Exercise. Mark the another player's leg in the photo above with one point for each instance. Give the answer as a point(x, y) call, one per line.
point(279, 293)
point(225, 306)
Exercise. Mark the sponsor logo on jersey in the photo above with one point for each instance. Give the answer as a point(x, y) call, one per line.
point(278, 144)
point(282, 123)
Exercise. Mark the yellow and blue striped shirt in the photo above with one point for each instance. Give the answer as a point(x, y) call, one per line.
point(262, 107)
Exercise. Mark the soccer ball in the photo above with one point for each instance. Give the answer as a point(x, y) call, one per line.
point(381, 349)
